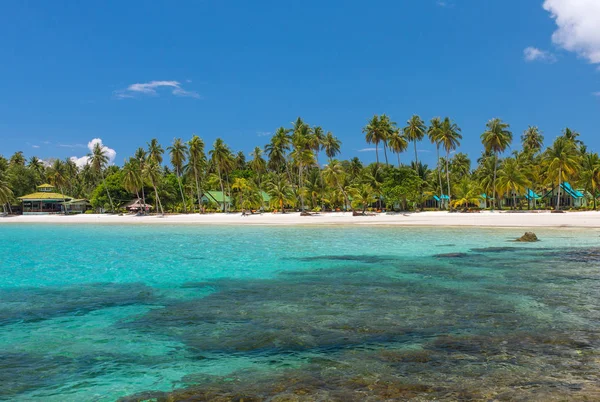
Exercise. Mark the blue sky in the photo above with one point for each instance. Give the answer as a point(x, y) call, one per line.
point(240, 69)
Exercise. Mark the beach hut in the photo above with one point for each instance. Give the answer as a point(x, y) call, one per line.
point(137, 205)
point(77, 206)
point(437, 202)
point(569, 197)
point(44, 201)
point(218, 198)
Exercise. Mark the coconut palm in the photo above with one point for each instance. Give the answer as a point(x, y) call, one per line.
point(433, 133)
point(5, 193)
point(316, 141)
point(590, 174)
point(152, 172)
point(561, 161)
point(571, 136)
point(258, 166)
point(415, 131)
point(375, 133)
point(98, 161)
point(277, 149)
point(335, 176)
point(387, 128)
point(38, 168)
point(58, 178)
point(196, 164)
point(532, 139)
point(155, 152)
point(177, 152)
point(467, 192)
point(449, 138)
point(397, 143)
point(496, 139)
point(222, 160)
point(132, 177)
point(331, 145)
point(281, 192)
point(355, 168)
point(363, 196)
point(17, 159)
point(512, 179)
point(140, 157)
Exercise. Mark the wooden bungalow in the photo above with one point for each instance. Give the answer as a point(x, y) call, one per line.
point(569, 197)
point(45, 201)
point(137, 205)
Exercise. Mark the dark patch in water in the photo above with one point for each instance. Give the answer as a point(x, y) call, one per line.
point(367, 259)
point(37, 304)
point(451, 255)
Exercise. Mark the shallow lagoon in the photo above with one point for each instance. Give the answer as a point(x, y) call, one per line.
point(92, 312)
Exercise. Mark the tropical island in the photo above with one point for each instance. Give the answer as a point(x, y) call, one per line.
point(297, 170)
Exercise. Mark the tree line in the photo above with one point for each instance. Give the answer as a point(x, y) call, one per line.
point(289, 171)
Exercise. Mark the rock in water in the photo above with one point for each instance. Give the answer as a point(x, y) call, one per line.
point(528, 237)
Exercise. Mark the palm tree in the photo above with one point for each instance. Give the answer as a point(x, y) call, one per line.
point(467, 192)
point(38, 168)
point(58, 178)
point(398, 144)
point(196, 164)
point(280, 191)
point(222, 160)
point(335, 176)
point(511, 179)
point(387, 128)
point(315, 141)
point(374, 134)
point(5, 193)
point(433, 132)
point(132, 177)
point(155, 152)
point(152, 172)
point(259, 166)
point(590, 174)
point(140, 157)
point(496, 139)
point(415, 131)
point(363, 195)
point(177, 152)
point(561, 161)
point(332, 145)
point(277, 149)
point(449, 138)
point(571, 135)
point(532, 140)
point(98, 161)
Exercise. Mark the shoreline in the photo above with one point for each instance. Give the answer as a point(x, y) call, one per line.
point(497, 219)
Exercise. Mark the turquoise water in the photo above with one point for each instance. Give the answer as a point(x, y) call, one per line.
point(91, 312)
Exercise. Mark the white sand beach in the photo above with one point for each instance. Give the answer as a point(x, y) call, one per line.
point(523, 219)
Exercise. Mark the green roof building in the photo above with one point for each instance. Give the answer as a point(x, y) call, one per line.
point(47, 201)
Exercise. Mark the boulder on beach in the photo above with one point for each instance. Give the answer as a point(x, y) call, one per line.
point(528, 237)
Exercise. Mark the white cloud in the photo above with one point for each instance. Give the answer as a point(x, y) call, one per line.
point(71, 145)
point(367, 150)
point(596, 94)
point(444, 3)
point(578, 26)
point(263, 133)
point(151, 89)
point(534, 54)
point(35, 146)
point(110, 153)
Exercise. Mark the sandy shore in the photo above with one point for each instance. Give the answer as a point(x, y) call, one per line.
point(483, 219)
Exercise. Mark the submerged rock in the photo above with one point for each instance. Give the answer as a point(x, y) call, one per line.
point(528, 237)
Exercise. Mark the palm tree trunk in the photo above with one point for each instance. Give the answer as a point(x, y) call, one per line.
point(494, 182)
point(558, 193)
point(437, 148)
point(385, 153)
point(112, 207)
point(198, 191)
point(398, 153)
point(448, 177)
point(181, 190)
point(377, 152)
point(222, 188)
point(144, 199)
point(300, 188)
point(514, 200)
point(416, 156)
point(162, 212)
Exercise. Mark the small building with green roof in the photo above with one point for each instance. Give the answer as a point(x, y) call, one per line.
point(46, 200)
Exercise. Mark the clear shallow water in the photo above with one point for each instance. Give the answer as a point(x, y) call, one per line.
point(346, 313)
